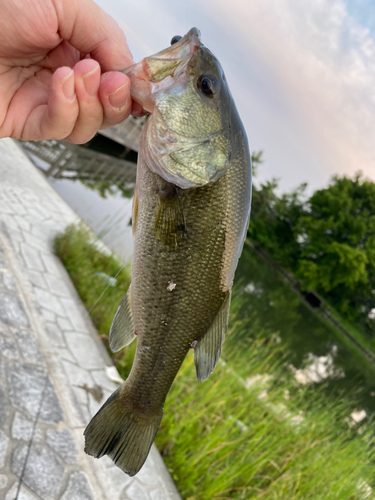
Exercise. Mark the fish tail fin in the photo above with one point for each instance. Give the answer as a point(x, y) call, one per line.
point(122, 434)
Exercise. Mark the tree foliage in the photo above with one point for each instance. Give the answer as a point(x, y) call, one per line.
point(326, 240)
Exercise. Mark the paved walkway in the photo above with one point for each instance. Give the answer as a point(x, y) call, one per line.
point(53, 368)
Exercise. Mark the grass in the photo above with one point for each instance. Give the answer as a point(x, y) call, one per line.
point(249, 431)
point(228, 439)
point(88, 265)
point(221, 441)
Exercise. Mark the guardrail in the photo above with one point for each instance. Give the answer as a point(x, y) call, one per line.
point(68, 161)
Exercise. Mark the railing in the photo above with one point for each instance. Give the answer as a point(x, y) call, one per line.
point(67, 161)
point(126, 133)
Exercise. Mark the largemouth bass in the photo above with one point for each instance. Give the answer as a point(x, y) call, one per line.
point(191, 211)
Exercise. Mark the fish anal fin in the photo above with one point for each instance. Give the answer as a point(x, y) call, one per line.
point(122, 330)
point(170, 226)
point(207, 351)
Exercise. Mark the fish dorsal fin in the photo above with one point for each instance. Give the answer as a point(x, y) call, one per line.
point(170, 227)
point(122, 328)
point(208, 350)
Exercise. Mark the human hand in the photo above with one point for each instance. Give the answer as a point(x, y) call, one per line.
point(59, 70)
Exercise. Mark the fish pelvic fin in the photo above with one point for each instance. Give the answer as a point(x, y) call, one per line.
point(122, 331)
point(208, 350)
point(122, 434)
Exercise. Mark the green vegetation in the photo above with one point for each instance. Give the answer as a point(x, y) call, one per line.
point(222, 441)
point(327, 241)
point(88, 265)
point(106, 189)
point(250, 431)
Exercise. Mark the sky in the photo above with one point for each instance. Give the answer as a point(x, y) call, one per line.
point(302, 74)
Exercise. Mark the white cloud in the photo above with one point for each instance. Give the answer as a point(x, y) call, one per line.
point(302, 74)
point(324, 64)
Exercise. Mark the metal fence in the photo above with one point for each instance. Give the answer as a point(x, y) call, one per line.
point(67, 161)
point(126, 133)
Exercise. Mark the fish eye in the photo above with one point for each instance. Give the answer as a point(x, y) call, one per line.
point(175, 39)
point(208, 85)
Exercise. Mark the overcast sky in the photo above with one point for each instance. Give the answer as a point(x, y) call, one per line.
point(302, 74)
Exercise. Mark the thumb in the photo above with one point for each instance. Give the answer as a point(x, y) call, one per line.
point(92, 31)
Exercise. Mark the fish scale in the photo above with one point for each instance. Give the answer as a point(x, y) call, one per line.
point(190, 216)
point(193, 279)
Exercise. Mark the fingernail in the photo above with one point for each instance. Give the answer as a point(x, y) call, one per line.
point(68, 86)
point(91, 84)
point(117, 99)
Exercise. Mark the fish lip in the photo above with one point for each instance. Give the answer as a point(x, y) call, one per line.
point(157, 72)
point(182, 49)
point(176, 51)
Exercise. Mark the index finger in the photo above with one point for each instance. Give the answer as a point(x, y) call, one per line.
point(91, 30)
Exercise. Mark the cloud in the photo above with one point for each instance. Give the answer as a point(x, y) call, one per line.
point(323, 62)
point(302, 74)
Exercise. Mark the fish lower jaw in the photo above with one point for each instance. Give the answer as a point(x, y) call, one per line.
point(140, 89)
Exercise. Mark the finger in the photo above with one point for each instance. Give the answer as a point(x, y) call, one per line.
point(62, 55)
point(56, 119)
point(90, 117)
point(114, 93)
point(92, 31)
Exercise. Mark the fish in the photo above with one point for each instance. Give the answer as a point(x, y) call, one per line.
point(191, 211)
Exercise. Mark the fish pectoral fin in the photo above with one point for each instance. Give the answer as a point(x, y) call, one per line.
point(122, 329)
point(170, 222)
point(208, 350)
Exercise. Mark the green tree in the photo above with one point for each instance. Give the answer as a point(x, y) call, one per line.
point(256, 160)
point(338, 244)
point(274, 219)
point(327, 240)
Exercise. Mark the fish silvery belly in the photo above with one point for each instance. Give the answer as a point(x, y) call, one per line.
point(191, 212)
